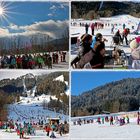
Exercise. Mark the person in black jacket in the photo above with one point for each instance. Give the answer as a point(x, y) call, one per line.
point(97, 60)
point(86, 28)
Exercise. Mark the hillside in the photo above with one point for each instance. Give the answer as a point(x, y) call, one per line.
point(92, 10)
point(123, 95)
point(51, 90)
point(16, 85)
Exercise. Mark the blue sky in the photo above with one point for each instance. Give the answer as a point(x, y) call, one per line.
point(31, 18)
point(84, 81)
point(25, 13)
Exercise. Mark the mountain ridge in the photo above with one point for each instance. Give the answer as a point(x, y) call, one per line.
point(122, 95)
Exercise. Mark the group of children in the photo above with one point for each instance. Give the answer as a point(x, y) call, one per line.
point(24, 129)
point(111, 120)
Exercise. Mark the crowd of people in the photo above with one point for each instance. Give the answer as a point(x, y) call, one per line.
point(91, 53)
point(111, 120)
point(32, 61)
point(119, 38)
point(92, 50)
point(27, 129)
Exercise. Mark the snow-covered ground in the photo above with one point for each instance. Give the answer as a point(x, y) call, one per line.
point(77, 31)
point(30, 110)
point(40, 135)
point(61, 65)
point(33, 113)
point(106, 131)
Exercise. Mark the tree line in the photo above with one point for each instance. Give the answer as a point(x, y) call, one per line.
point(123, 95)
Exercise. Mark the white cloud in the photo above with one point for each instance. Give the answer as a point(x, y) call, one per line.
point(50, 15)
point(54, 29)
point(53, 7)
point(4, 32)
point(64, 5)
point(13, 26)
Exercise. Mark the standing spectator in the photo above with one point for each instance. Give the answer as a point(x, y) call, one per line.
point(125, 34)
point(123, 26)
point(111, 120)
point(86, 28)
point(92, 28)
point(138, 119)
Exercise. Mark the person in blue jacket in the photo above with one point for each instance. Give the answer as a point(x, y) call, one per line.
point(98, 37)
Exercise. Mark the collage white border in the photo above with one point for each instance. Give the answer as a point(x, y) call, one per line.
point(70, 70)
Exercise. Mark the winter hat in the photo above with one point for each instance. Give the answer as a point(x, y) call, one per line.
point(86, 37)
point(99, 46)
point(98, 36)
point(138, 39)
point(134, 44)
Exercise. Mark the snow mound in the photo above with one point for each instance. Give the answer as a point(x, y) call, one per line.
point(60, 78)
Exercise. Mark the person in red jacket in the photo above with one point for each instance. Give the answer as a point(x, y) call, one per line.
point(19, 62)
point(111, 120)
point(48, 129)
point(125, 34)
point(99, 120)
